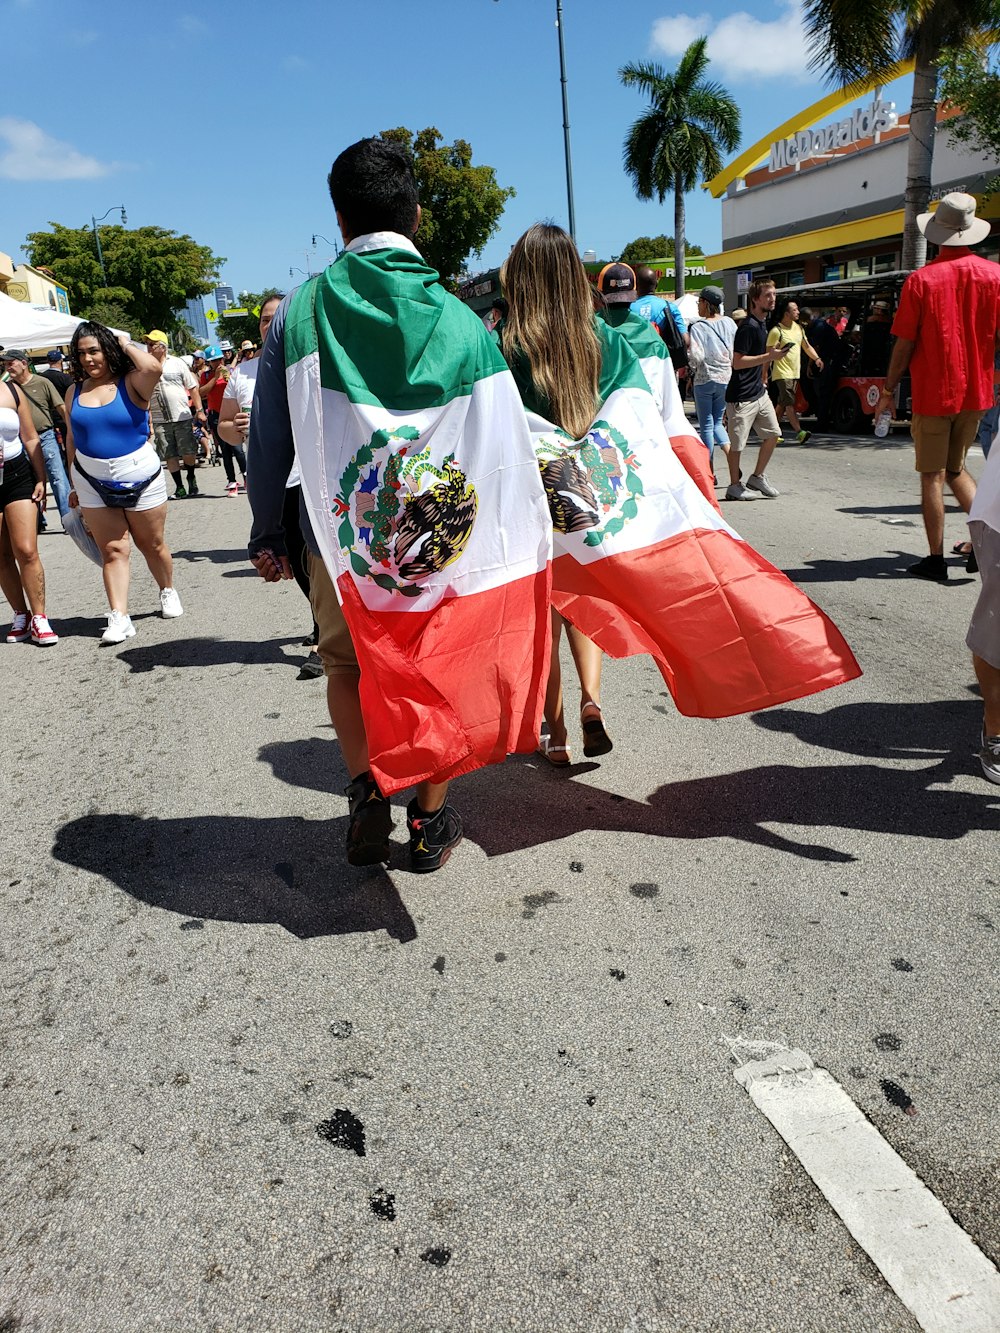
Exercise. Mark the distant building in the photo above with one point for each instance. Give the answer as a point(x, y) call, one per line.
point(34, 286)
point(194, 317)
point(224, 298)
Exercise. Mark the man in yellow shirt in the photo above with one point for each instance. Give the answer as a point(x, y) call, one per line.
point(785, 372)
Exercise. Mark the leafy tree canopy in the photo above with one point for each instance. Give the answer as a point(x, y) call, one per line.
point(242, 328)
point(151, 271)
point(970, 80)
point(461, 205)
point(645, 248)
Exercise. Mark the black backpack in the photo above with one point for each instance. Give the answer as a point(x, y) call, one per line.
point(675, 343)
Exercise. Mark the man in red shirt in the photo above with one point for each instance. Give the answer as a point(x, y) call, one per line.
point(947, 329)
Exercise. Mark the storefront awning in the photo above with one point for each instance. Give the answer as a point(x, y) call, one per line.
point(883, 226)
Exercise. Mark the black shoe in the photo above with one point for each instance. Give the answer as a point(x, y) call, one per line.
point(971, 563)
point(432, 837)
point(931, 567)
point(311, 667)
point(193, 489)
point(371, 822)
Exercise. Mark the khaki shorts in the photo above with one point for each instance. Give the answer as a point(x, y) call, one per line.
point(941, 443)
point(175, 439)
point(983, 637)
point(741, 417)
point(785, 392)
point(335, 647)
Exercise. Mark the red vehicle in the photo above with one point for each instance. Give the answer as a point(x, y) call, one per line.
point(863, 351)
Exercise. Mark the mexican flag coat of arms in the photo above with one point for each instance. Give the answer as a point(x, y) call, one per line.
point(427, 504)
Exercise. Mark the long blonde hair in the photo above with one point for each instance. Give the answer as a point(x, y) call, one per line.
point(551, 321)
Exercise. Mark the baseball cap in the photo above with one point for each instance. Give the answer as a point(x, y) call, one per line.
point(713, 295)
point(15, 354)
point(246, 346)
point(616, 283)
point(157, 336)
point(53, 355)
point(213, 353)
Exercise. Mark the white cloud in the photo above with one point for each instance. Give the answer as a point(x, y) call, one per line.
point(192, 26)
point(740, 46)
point(294, 65)
point(27, 153)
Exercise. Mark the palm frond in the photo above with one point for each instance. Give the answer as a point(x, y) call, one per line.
point(851, 41)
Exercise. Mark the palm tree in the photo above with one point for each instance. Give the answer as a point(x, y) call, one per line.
point(677, 141)
point(852, 43)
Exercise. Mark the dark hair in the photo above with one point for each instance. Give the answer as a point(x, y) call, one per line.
point(805, 315)
point(757, 289)
point(500, 303)
point(373, 188)
point(119, 364)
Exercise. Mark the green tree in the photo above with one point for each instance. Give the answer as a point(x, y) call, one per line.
point(680, 137)
point(243, 328)
point(854, 43)
point(970, 81)
point(151, 272)
point(461, 205)
point(645, 248)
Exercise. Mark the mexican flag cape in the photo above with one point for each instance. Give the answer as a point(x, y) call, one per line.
point(426, 501)
point(661, 377)
point(643, 563)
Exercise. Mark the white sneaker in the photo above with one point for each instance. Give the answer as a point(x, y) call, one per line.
point(762, 486)
point(119, 628)
point(739, 492)
point(170, 604)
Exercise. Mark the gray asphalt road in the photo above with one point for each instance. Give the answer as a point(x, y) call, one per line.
point(246, 1087)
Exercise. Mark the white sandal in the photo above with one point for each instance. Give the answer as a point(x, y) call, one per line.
point(546, 749)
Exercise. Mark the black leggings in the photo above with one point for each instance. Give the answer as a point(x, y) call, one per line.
point(295, 543)
point(229, 452)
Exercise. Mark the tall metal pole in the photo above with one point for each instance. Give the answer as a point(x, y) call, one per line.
point(100, 253)
point(565, 108)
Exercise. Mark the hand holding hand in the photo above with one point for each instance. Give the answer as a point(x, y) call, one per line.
point(272, 568)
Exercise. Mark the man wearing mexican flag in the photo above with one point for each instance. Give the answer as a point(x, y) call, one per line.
point(430, 536)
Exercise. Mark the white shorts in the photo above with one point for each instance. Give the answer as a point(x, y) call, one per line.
point(133, 467)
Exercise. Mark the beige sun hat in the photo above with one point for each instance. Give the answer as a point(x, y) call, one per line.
point(954, 222)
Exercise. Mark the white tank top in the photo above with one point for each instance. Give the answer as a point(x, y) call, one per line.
point(10, 434)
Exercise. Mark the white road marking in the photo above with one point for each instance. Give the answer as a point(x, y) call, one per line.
point(931, 1264)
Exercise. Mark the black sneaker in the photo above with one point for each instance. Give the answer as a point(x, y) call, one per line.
point(179, 494)
point(432, 837)
point(371, 822)
point(312, 667)
point(931, 567)
point(193, 489)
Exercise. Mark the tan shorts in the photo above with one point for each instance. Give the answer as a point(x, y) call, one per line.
point(785, 392)
point(742, 417)
point(941, 443)
point(983, 637)
point(175, 439)
point(335, 647)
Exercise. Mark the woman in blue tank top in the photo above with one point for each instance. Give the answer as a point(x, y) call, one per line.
point(118, 477)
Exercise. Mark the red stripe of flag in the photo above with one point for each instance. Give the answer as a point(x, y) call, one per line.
point(728, 631)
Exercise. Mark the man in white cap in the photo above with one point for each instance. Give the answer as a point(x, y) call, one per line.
point(947, 329)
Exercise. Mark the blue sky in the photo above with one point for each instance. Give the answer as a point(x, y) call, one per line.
point(222, 122)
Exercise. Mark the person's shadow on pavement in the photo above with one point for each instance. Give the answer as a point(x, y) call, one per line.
point(290, 871)
point(523, 804)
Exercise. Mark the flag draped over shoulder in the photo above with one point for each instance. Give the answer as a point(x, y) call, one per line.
point(661, 377)
point(426, 502)
point(643, 563)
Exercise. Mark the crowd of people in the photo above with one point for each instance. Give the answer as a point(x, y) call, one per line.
point(361, 398)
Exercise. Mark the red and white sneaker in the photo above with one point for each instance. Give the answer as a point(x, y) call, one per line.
point(231, 488)
point(19, 628)
point(42, 632)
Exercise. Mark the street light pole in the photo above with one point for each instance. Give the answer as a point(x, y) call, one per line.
point(97, 235)
point(318, 235)
point(565, 110)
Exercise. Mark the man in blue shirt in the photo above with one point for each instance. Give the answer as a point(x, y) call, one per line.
point(654, 308)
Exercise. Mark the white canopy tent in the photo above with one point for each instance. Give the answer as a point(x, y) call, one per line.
point(34, 326)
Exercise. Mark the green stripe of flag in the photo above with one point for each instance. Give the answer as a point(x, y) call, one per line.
point(369, 315)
